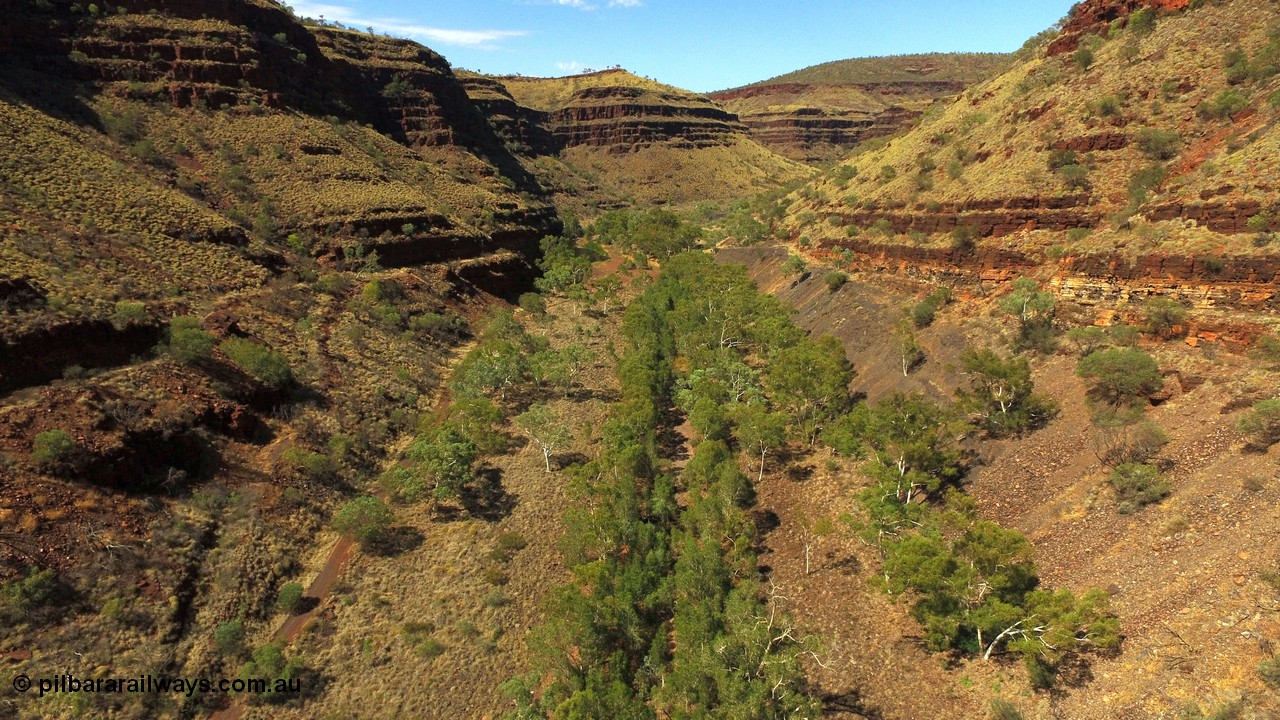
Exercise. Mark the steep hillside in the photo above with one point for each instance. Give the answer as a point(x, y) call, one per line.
point(1188, 575)
point(628, 137)
point(820, 112)
point(1146, 156)
point(236, 253)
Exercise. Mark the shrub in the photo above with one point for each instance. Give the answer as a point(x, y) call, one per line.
point(188, 342)
point(1120, 376)
point(1121, 440)
point(365, 520)
point(435, 325)
point(1076, 177)
point(835, 280)
point(1142, 21)
point(311, 465)
point(23, 596)
point(1235, 64)
point(1144, 181)
point(228, 637)
point(887, 173)
point(51, 449)
point(1075, 235)
point(922, 314)
point(794, 265)
point(1222, 105)
point(1004, 710)
point(1268, 350)
point(128, 312)
point(289, 598)
point(964, 238)
point(1061, 158)
point(1158, 144)
point(1260, 222)
point(1108, 106)
point(259, 361)
point(1136, 486)
point(1083, 58)
point(509, 543)
point(1163, 316)
point(1269, 671)
point(269, 661)
point(533, 303)
point(1262, 423)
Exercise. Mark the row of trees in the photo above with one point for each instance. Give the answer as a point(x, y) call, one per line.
point(974, 585)
point(665, 613)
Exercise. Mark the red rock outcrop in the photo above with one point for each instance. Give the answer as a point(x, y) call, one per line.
point(1093, 17)
point(990, 218)
point(628, 118)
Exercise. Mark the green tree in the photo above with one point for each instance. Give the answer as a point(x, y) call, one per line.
point(1083, 57)
point(606, 291)
point(910, 352)
point(545, 428)
point(1034, 309)
point(914, 441)
point(444, 458)
point(563, 266)
point(494, 368)
point(1163, 316)
point(228, 637)
point(1000, 394)
point(188, 342)
point(758, 430)
point(809, 380)
point(289, 598)
point(477, 418)
point(1262, 424)
point(364, 519)
point(795, 265)
point(1120, 376)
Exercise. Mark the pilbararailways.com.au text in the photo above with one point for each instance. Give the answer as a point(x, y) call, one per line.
point(67, 683)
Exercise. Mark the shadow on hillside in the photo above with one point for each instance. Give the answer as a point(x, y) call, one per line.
point(37, 89)
point(849, 702)
point(396, 541)
point(487, 498)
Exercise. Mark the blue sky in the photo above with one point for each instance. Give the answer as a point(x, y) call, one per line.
point(694, 44)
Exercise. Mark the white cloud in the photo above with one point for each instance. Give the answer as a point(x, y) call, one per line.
point(476, 39)
point(585, 4)
point(573, 66)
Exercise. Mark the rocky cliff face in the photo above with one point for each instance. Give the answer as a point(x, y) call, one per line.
point(1095, 18)
point(198, 145)
point(819, 113)
point(654, 142)
point(624, 119)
